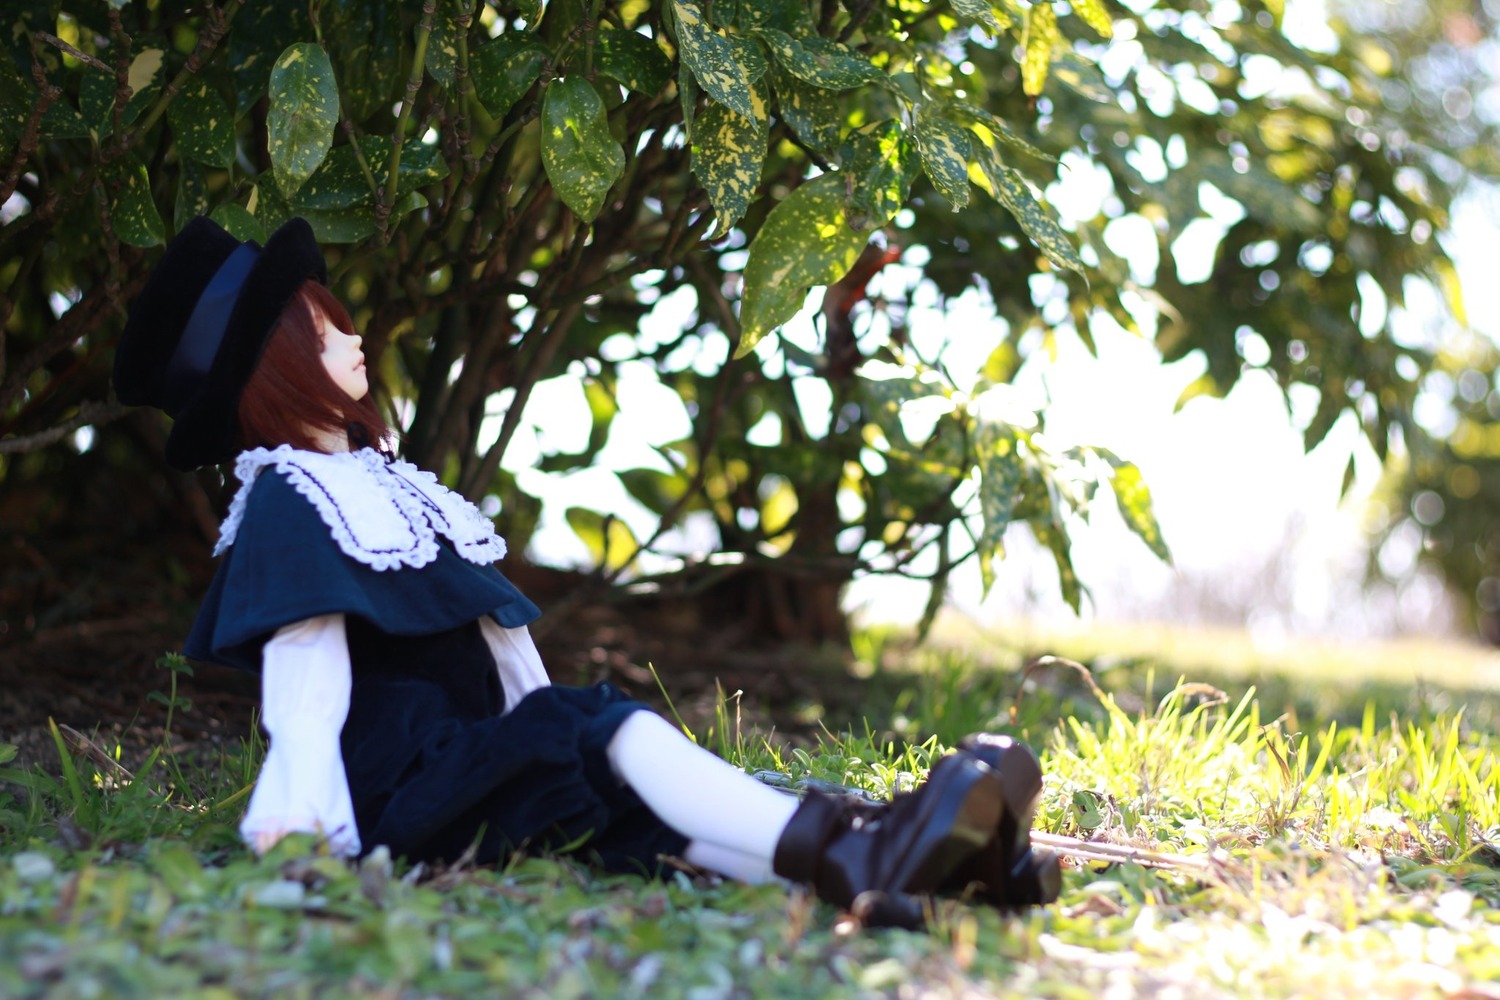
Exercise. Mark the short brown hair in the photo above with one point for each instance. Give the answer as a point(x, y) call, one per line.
point(290, 396)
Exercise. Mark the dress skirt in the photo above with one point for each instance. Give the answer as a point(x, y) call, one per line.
point(434, 767)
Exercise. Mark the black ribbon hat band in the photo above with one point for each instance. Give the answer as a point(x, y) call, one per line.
point(204, 332)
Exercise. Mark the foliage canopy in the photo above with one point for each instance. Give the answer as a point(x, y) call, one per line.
point(508, 191)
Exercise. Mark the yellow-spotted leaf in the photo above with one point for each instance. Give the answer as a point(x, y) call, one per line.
point(878, 171)
point(821, 61)
point(815, 114)
point(609, 539)
point(203, 124)
point(1009, 189)
point(728, 152)
point(1133, 497)
point(633, 59)
point(504, 69)
point(711, 57)
point(986, 13)
point(581, 157)
point(805, 241)
point(1094, 14)
point(1040, 36)
point(303, 114)
point(239, 223)
point(1001, 477)
point(132, 213)
point(945, 149)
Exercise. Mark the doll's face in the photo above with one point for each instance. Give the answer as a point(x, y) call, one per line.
point(342, 359)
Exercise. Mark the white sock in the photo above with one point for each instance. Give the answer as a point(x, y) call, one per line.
point(727, 861)
point(697, 794)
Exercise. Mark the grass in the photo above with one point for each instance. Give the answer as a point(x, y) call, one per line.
point(1326, 845)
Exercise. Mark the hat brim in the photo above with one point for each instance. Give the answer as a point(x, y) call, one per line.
point(203, 433)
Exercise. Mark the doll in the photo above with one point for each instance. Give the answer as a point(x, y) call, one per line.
point(405, 701)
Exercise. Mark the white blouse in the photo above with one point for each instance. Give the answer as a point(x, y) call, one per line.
point(306, 680)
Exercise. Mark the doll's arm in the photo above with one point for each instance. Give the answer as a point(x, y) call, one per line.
point(305, 686)
point(516, 658)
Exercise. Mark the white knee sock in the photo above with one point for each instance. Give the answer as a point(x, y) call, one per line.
point(727, 861)
point(699, 795)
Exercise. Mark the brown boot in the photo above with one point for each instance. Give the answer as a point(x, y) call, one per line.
point(1008, 870)
point(878, 861)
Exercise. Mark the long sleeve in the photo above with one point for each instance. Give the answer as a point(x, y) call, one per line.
point(306, 681)
point(516, 659)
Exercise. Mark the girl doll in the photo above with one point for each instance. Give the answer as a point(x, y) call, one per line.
point(405, 701)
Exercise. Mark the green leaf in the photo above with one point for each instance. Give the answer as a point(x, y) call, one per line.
point(7, 752)
point(97, 91)
point(711, 57)
point(582, 159)
point(991, 127)
point(340, 183)
point(1009, 189)
point(339, 225)
point(303, 114)
point(1037, 42)
point(805, 241)
point(504, 69)
point(728, 153)
point(657, 491)
point(1203, 385)
point(1094, 14)
point(821, 61)
point(633, 59)
point(132, 213)
point(203, 124)
point(1133, 497)
point(986, 13)
point(880, 164)
point(1055, 539)
point(815, 114)
point(531, 12)
point(945, 149)
point(239, 223)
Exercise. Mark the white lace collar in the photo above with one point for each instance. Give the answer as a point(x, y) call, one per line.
point(384, 514)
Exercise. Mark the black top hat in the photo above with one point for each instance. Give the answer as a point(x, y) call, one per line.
point(197, 329)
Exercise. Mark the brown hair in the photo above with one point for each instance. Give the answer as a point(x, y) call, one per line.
point(290, 396)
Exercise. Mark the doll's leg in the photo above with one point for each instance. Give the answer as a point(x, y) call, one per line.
point(694, 792)
point(727, 861)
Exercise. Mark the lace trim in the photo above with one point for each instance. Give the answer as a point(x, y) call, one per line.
point(384, 515)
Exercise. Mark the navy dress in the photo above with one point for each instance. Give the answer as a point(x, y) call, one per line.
point(432, 763)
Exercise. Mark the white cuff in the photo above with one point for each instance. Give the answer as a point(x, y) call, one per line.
point(305, 686)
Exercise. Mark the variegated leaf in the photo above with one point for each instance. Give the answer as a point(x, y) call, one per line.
point(203, 124)
point(531, 12)
point(878, 172)
point(1001, 476)
point(1133, 497)
point(1040, 36)
point(581, 157)
point(132, 213)
point(945, 149)
point(633, 59)
point(815, 114)
point(1082, 77)
point(504, 69)
point(303, 114)
point(340, 183)
point(986, 13)
point(967, 114)
point(1094, 14)
point(711, 57)
point(805, 241)
point(193, 197)
point(821, 61)
point(728, 152)
point(441, 60)
point(1009, 189)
